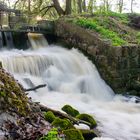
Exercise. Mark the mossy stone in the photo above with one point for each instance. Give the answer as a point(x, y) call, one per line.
point(70, 110)
point(62, 123)
point(87, 118)
point(73, 134)
point(49, 116)
point(88, 134)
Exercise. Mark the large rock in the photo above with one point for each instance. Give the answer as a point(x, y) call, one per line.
point(70, 110)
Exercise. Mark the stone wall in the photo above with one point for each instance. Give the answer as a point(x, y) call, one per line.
point(118, 66)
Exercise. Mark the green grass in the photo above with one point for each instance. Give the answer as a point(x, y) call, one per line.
point(138, 37)
point(123, 17)
point(105, 33)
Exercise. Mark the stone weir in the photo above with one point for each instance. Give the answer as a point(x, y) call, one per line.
point(118, 66)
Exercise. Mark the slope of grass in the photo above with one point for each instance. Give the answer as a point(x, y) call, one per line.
point(112, 27)
point(105, 33)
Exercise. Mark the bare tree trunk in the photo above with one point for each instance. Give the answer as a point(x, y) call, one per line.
point(79, 4)
point(132, 2)
point(29, 11)
point(68, 7)
point(90, 6)
point(74, 6)
point(58, 8)
point(84, 5)
point(120, 5)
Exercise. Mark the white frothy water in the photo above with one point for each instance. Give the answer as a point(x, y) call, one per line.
point(72, 79)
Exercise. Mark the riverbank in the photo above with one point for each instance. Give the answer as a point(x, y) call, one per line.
point(21, 118)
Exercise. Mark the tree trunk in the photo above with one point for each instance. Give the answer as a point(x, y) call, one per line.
point(29, 11)
point(132, 6)
point(79, 4)
point(68, 7)
point(120, 6)
point(74, 6)
point(84, 5)
point(90, 6)
point(58, 8)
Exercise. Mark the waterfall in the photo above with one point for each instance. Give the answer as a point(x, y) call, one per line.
point(1, 40)
point(9, 39)
point(54, 64)
point(72, 79)
point(37, 40)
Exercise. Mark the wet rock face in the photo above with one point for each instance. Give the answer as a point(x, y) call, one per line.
point(118, 66)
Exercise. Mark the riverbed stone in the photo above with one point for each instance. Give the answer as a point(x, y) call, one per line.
point(70, 110)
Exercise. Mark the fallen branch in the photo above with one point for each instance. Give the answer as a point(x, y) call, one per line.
point(63, 115)
point(35, 88)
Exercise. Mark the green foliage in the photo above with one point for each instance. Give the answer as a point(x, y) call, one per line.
point(122, 17)
point(73, 134)
point(138, 37)
point(87, 118)
point(105, 33)
point(70, 110)
point(52, 135)
point(62, 123)
point(2, 93)
point(49, 116)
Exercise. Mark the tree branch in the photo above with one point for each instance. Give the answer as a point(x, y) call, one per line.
point(47, 7)
point(35, 88)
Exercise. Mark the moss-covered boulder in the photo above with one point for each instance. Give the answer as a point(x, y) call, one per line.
point(87, 118)
point(73, 134)
point(63, 123)
point(49, 116)
point(70, 110)
point(88, 134)
point(12, 95)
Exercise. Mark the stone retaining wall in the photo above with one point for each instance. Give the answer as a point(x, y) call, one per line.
point(118, 66)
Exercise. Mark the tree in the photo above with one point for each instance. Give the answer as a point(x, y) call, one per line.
point(132, 5)
point(79, 5)
point(90, 6)
point(58, 8)
point(68, 7)
point(84, 6)
point(120, 4)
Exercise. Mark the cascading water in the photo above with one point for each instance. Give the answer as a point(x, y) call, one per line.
point(9, 39)
point(1, 40)
point(72, 79)
point(37, 40)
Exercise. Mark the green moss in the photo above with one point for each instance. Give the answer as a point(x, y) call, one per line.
point(88, 134)
point(73, 134)
point(12, 94)
point(87, 118)
point(62, 123)
point(70, 110)
point(49, 116)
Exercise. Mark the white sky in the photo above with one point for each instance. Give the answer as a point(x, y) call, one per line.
point(126, 8)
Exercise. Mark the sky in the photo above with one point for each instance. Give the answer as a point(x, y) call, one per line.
point(126, 8)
